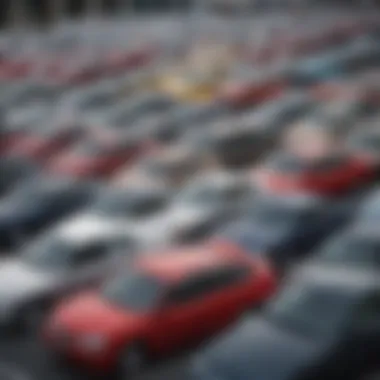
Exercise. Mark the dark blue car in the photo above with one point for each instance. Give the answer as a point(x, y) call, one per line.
point(285, 228)
point(36, 205)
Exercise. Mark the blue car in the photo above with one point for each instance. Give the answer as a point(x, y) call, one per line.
point(36, 205)
point(285, 228)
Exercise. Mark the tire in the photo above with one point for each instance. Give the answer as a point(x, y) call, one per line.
point(132, 361)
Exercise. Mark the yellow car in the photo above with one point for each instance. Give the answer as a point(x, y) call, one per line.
point(198, 78)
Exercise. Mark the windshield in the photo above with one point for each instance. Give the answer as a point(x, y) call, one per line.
point(135, 291)
point(129, 204)
point(36, 195)
point(204, 194)
point(286, 163)
point(315, 312)
point(245, 236)
point(366, 142)
point(358, 251)
point(50, 252)
point(273, 214)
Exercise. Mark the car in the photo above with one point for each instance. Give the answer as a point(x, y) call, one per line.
point(76, 70)
point(252, 87)
point(365, 144)
point(15, 171)
point(28, 94)
point(325, 173)
point(284, 228)
point(336, 64)
point(337, 89)
point(369, 211)
point(204, 204)
point(17, 124)
point(43, 140)
point(340, 116)
point(318, 68)
point(171, 166)
point(323, 324)
point(240, 140)
point(124, 114)
point(99, 155)
point(120, 60)
point(357, 246)
point(162, 304)
point(67, 258)
point(94, 99)
point(184, 118)
point(129, 204)
point(36, 205)
point(196, 80)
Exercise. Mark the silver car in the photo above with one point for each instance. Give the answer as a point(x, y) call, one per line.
point(66, 259)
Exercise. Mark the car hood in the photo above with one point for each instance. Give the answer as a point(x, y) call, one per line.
point(90, 313)
point(19, 280)
point(263, 352)
point(13, 212)
point(166, 225)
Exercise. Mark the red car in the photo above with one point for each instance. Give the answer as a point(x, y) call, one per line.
point(98, 157)
point(164, 304)
point(337, 89)
point(245, 92)
point(327, 175)
point(44, 143)
point(365, 144)
point(8, 138)
point(119, 61)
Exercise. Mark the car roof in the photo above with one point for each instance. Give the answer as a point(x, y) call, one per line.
point(217, 179)
point(179, 263)
point(83, 229)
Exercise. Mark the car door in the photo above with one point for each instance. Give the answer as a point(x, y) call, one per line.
point(198, 307)
point(179, 317)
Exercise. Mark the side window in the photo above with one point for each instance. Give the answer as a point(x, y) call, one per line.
point(207, 283)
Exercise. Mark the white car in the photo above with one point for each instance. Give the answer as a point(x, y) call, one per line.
point(65, 259)
point(125, 205)
point(196, 211)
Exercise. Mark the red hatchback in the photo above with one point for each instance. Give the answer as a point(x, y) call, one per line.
point(332, 174)
point(166, 303)
point(97, 157)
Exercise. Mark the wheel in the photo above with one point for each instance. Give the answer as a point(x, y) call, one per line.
point(132, 361)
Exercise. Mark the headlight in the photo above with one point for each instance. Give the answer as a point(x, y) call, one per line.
point(93, 342)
